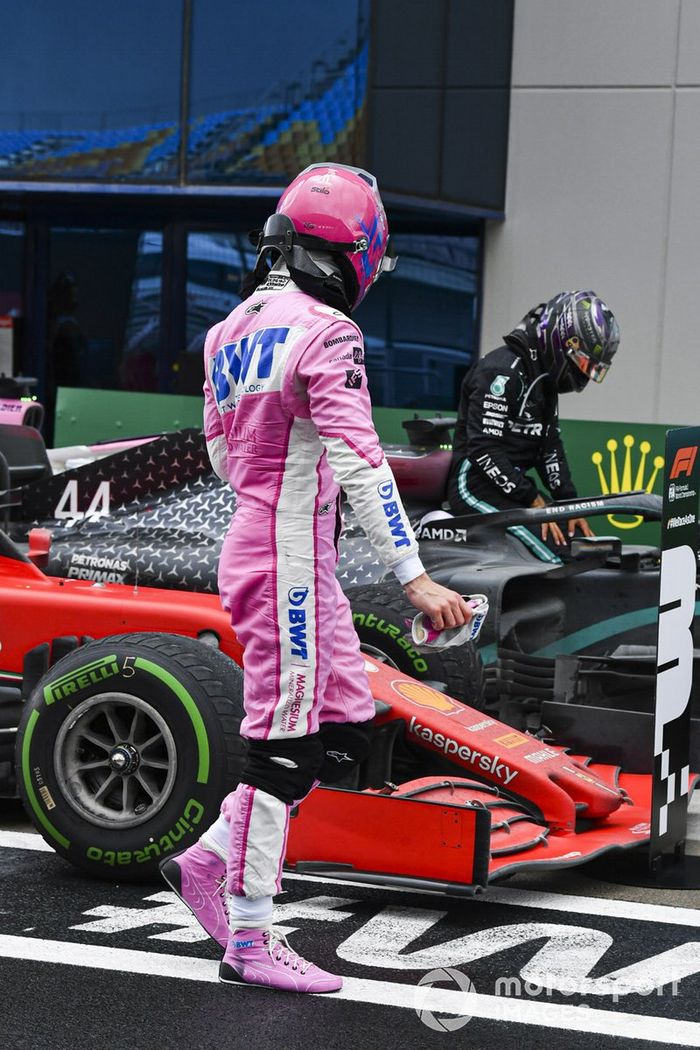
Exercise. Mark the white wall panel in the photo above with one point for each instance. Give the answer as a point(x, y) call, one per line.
point(679, 363)
point(595, 42)
point(689, 43)
point(587, 206)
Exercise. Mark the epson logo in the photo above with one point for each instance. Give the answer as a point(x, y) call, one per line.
point(296, 597)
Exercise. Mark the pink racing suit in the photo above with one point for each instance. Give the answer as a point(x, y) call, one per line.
point(288, 420)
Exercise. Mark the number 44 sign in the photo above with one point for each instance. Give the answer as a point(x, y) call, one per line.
point(69, 503)
point(674, 659)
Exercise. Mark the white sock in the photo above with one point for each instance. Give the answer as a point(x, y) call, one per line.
point(245, 913)
point(216, 838)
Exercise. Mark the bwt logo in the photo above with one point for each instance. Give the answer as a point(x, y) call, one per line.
point(297, 621)
point(391, 509)
point(232, 363)
point(684, 461)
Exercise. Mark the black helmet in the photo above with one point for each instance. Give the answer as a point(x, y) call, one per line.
point(578, 336)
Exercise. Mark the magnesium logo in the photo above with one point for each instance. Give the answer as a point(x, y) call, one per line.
point(684, 462)
point(297, 621)
point(81, 678)
point(424, 696)
point(628, 476)
point(385, 490)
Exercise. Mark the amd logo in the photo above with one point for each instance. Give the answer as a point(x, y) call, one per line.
point(442, 532)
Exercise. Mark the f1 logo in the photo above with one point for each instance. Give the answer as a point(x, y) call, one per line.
point(684, 461)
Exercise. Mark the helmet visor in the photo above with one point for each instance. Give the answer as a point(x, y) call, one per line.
point(389, 259)
point(592, 369)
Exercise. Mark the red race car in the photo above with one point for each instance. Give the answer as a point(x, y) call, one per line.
point(127, 740)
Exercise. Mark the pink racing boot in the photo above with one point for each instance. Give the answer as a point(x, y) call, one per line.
point(264, 957)
point(198, 876)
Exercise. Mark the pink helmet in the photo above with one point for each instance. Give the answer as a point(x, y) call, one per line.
point(337, 208)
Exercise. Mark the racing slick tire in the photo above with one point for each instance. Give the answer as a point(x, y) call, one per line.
point(126, 748)
point(380, 612)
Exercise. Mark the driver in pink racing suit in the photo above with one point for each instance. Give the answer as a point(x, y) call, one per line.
point(288, 421)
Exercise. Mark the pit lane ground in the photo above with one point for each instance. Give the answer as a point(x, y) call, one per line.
point(551, 959)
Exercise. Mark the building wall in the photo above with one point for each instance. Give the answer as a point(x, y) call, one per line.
point(603, 191)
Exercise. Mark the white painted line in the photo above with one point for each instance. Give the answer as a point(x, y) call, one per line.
point(614, 909)
point(563, 902)
point(652, 1029)
point(24, 840)
point(607, 906)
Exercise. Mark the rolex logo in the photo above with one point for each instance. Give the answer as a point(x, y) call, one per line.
point(630, 478)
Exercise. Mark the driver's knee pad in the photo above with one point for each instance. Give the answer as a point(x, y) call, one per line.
point(345, 744)
point(286, 769)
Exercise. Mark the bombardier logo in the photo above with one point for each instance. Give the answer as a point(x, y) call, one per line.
point(352, 337)
point(486, 763)
point(297, 621)
point(385, 491)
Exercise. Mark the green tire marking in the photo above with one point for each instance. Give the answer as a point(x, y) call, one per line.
point(191, 708)
point(29, 787)
point(58, 684)
point(84, 668)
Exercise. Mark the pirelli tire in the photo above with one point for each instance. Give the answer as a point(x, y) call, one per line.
point(380, 612)
point(126, 748)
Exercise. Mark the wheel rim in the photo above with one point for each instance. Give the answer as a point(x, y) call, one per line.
point(379, 655)
point(115, 760)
